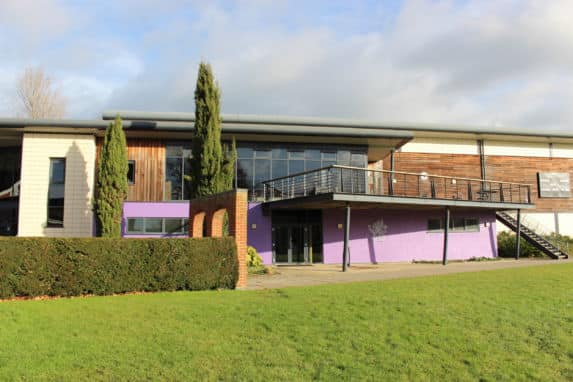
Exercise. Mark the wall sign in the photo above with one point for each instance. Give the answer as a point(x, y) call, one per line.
point(554, 184)
point(378, 229)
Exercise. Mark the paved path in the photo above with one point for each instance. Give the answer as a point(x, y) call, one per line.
point(290, 276)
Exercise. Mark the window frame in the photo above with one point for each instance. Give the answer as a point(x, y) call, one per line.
point(133, 165)
point(184, 222)
point(51, 188)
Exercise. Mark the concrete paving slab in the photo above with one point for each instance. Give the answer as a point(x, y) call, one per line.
point(294, 276)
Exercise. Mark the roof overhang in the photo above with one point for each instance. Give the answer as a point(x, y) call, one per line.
point(338, 200)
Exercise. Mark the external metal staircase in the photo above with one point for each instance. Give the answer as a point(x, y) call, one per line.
point(531, 237)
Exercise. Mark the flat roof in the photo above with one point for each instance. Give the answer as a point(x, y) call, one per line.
point(274, 124)
point(336, 122)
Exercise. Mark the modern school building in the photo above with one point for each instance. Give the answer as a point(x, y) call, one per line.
point(392, 192)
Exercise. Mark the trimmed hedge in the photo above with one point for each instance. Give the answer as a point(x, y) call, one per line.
point(71, 267)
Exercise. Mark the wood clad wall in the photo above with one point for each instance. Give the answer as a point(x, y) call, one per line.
point(149, 157)
point(459, 165)
point(524, 170)
point(516, 169)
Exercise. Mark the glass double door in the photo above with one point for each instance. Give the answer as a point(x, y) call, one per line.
point(297, 243)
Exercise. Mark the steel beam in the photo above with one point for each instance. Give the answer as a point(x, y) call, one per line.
point(446, 231)
point(518, 236)
point(345, 253)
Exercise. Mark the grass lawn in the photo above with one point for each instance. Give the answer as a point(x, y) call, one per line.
point(514, 324)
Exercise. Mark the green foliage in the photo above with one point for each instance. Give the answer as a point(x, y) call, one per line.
point(71, 267)
point(506, 246)
point(212, 169)
point(255, 264)
point(111, 182)
point(253, 257)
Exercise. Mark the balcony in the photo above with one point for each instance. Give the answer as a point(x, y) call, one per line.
point(342, 183)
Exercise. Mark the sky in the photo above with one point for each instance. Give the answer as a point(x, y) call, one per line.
point(490, 63)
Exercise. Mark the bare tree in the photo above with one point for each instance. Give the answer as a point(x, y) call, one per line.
point(37, 96)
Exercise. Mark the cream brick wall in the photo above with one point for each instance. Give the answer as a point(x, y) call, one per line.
point(525, 149)
point(79, 151)
point(441, 146)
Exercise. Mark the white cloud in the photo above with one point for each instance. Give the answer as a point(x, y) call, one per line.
point(482, 62)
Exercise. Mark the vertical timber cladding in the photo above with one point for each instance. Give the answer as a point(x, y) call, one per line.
point(149, 157)
point(524, 170)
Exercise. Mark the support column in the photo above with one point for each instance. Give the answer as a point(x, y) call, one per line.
point(518, 236)
point(446, 231)
point(345, 253)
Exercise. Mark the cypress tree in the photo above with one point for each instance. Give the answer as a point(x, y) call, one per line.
point(212, 168)
point(111, 180)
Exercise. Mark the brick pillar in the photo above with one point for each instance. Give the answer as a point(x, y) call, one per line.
point(240, 232)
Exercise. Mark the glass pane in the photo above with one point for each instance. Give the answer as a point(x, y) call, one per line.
point(457, 224)
point(131, 171)
point(245, 173)
point(343, 158)
point(134, 225)
point(295, 166)
point(279, 153)
point(312, 154)
point(56, 213)
point(262, 153)
point(296, 154)
point(312, 165)
point(326, 163)
point(173, 226)
point(434, 224)
point(153, 225)
point(281, 243)
point(186, 178)
point(245, 152)
point(472, 224)
point(174, 151)
point(279, 168)
point(173, 179)
point(329, 156)
point(262, 170)
point(57, 171)
point(358, 160)
point(56, 191)
point(315, 246)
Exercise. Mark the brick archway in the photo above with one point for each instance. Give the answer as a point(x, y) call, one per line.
point(209, 212)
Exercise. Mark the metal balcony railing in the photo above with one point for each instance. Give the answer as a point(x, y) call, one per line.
point(362, 181)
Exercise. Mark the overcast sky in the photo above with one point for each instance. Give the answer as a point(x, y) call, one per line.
point(471, 62)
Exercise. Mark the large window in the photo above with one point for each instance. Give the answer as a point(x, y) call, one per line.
point(56, 190)
point(260, 162)
point(177, 171)
point(456, 225)
point(165, 226)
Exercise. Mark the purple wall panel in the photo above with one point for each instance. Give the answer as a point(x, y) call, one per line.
point(261, 237)
point(406, 237)
point(154, 210)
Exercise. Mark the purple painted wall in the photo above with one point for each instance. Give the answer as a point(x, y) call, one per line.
point(261, 236)
point(153, 210)
point(406, 237)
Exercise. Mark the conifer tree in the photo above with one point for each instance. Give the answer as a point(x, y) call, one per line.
point(212, 168)
point(111, 180)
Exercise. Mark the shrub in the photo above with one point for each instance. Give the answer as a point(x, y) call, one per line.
point(506, 246)
point(253, 257)
point(102, 266)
